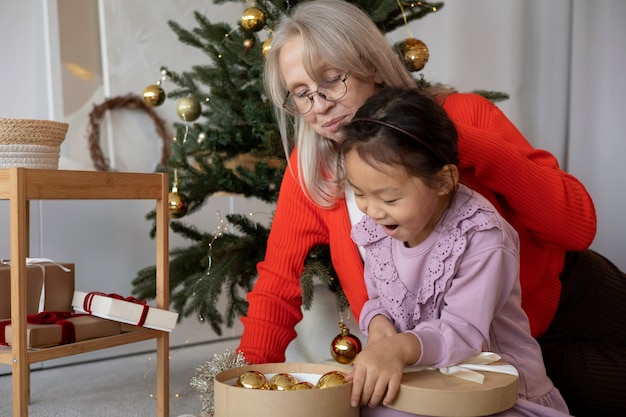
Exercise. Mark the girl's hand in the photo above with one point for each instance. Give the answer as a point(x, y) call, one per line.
point(378, 369)
point(379, 328)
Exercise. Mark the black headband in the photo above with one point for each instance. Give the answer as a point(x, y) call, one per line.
point(404, 132)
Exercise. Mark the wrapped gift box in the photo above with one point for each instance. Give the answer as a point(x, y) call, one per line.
point(129, 310)
point(233, 401)
point(50, 287)
point(81, 327)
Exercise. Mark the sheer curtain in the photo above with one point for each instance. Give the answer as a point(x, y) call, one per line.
point(597, 117)
point(561, 62)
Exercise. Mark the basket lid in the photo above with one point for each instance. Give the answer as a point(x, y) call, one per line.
point(32, 131)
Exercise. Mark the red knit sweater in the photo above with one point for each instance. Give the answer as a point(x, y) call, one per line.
point(550, 209)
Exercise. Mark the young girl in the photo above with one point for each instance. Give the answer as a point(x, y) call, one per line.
point(441, 265)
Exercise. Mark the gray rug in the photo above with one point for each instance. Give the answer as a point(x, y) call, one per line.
point(116, 387)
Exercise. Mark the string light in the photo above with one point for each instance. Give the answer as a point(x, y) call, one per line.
point(222, 228)
point(421, 4)
point(150, 367)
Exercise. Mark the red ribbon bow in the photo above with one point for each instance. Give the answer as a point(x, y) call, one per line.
point(144, 313)
point(68, 333)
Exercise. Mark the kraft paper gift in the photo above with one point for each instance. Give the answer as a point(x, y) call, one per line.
point(50, 286)
point(50, 329)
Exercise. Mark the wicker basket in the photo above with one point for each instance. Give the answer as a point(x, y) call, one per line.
point(31, 143)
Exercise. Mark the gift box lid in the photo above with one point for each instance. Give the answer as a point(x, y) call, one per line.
point(434, 393)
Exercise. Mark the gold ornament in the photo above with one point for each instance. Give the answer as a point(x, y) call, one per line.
point(248, 43)
point(282, 382)
point(331, 379)
point(153, 95)
point(302, 385)
point(252, 380)
point(178, 205)
point(345, 346)
point(267, 45)
point(415, 54)
point(253, 19)
point(188, 109)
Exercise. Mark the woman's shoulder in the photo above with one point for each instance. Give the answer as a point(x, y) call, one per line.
point(458, 99)
point(469, 109)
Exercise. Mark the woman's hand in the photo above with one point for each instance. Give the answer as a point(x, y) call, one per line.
point(378, 369)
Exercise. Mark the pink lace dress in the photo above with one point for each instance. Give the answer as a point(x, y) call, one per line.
point(458, 292)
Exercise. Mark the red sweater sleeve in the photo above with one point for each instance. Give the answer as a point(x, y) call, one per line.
point(530, 188)
point(275, 301)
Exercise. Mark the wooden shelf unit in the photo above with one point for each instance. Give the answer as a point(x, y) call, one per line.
point(19, 186)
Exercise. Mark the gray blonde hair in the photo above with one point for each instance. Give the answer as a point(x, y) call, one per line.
point(342, 36)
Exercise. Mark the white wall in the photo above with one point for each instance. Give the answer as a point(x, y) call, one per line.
point(520, 47)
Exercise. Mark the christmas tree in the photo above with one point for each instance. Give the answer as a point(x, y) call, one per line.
point(227, 142)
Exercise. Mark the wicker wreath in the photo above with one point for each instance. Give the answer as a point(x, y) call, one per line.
point(132, 102)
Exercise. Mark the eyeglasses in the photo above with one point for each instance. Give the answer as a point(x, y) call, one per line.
point(330, 90)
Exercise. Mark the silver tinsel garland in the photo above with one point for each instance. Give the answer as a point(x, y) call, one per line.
point(204, 379)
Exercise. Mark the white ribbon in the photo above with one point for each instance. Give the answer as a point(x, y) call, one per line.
point(38, 261)
point(467, 370)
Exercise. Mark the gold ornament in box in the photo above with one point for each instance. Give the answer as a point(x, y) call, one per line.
point(304, 401)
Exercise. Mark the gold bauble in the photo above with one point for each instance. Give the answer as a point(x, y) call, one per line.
point(345, 346)
point(154, 95)
point(282, 382)
point(331, 379)
point(267, 45)
point(188, 109)
point(248, 43)
point(178, 205)
point(302, 385)
point(415, 54)
point(253, 19)
point(252, 380)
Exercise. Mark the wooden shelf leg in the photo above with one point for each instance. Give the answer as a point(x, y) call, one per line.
point(21, 387)
point(163, 375)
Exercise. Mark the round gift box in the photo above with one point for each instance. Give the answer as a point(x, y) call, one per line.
point(30, 143)
point(429, 392)
point(233, 401)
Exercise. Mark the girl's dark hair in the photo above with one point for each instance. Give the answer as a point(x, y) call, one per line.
point(405, 127)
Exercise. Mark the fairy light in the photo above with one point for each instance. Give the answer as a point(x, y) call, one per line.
point(421, 4)
point(222, 228)
point(150, 367)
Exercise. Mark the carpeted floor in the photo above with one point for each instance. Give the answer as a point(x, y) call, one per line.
point(115, 387)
